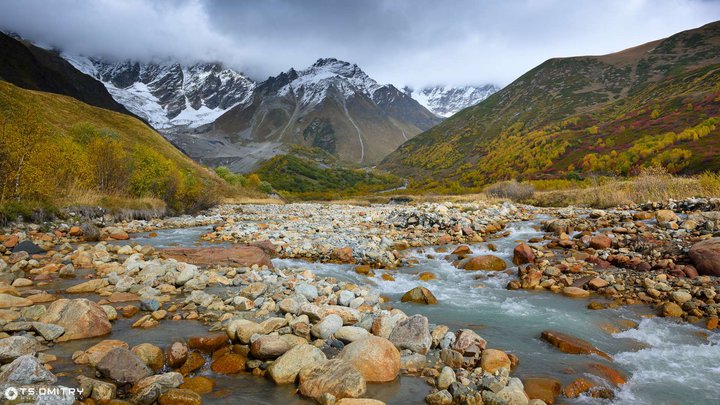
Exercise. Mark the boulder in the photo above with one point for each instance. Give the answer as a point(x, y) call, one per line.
point(327, 326)
point(269, 347)
point(95, 353)
point(96, 389)
point(15, 346)
point(664, 217)
point(285, 369)
point(122, 366)
point(485, 262)
point(376, 358)
point(523, 254)
point(412, 333)
point(29, 247)
point(207, 344)
point(419, 295)
point(24, 370)
point(493, 360)
point(335, 377)
point(468, 343)
point(575, 292)
point(229, 363)
point(243, 256)
point(545, 389)
point(81, 319)
point(150, 354)
point(242, 329)
point(671, 309)
point(571, 344)
point(705, 256)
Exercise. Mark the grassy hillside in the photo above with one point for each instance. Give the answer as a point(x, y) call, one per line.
point(609, 115)
point(312, 173)
point(57, 150)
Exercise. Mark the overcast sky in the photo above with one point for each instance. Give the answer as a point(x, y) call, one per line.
point(404, 42)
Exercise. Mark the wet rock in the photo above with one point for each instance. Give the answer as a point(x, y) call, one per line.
point(571, 344)
point(198, 384)
point(705, 255)
point(413, 362)
point(164, 381)
point(419, 295)
point(671, 309)
point(177, 396)
point(194, 362)
point(608, 373)
point(412, 333)
point(28, 247)
point(123, 366)
point(176, 354)
point(285, 369)
point(523, 254)
point(151, 355)
point(24, 370)
point(577, 387)
point(336, 377)
point(229, 363)
point(600, 241)
point(245, 256)
point(575, 292)
point(81, 319)
point(545, 389)
point(15, 346)
point(207, 344)
point(376, 358)
point(485, 262)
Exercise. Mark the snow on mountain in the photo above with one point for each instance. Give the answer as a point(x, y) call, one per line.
point(446, 101)
point(312, 84)
point(170, 95)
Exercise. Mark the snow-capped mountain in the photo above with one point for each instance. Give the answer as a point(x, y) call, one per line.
point(333, 105)
point(446, 101)
point(170, 95)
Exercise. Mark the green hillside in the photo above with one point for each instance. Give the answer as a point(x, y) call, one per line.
point(57, 150)
point(614, 114)
point(312, 173)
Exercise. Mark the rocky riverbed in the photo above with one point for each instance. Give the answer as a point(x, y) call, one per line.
point(333, 339)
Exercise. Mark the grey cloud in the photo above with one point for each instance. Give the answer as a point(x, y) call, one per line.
point(414, 42)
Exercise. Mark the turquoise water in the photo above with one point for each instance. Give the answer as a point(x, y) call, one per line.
point(667, 362)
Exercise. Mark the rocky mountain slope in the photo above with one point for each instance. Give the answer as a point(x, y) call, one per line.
point(332, 105)
point(447, 100)
point(34, 68)
point(657, 103)
point(170, 95)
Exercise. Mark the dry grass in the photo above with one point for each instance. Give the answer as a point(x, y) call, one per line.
point(653, 184)
point(91, 198)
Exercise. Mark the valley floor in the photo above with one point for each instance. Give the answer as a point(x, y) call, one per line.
point(384, 301)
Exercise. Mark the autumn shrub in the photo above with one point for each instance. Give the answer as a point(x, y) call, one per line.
point(511, 189)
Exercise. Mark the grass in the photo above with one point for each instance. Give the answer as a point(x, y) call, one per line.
point(653, 184)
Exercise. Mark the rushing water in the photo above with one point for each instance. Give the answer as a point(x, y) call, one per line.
point(667, 362)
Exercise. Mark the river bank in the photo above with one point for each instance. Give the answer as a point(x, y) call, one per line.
point(338, 280)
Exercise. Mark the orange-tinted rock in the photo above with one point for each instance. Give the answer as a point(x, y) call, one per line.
point(376, 358)
point(485, 262)
point(362, 269)
point(81, 319)
point(426, 276)
point(230, 363)
point(575, 292)
point(608, 373)
point(706, 257)
point(343, 255)
point(523, 254)
point(712, 323)
point(493, 359)
point(208, 344)
point(600, 241)
point(577, 387)
point(546, 389)
point(419, 295)
point(194, 362)
point(176, 354)
point(462, 250)
point(571, 344)
point(227, 256)
point(199, 384)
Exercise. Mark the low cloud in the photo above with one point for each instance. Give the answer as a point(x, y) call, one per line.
point(405, 42)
